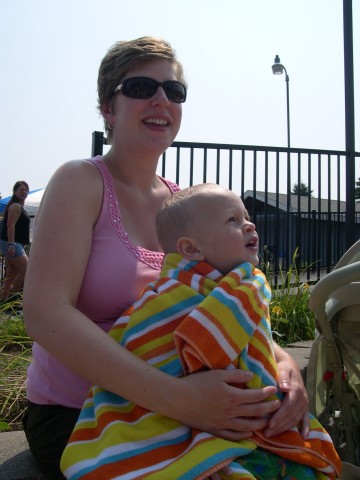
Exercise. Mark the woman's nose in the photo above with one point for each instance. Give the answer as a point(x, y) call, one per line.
point(160, 96)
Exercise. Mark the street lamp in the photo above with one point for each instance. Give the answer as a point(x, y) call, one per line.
point(278, 69)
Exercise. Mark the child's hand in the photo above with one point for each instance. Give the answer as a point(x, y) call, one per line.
point(218, 476)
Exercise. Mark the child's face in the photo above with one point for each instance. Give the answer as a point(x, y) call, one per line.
point(224, 233)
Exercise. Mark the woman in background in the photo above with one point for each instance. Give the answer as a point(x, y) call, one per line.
point(14, 237)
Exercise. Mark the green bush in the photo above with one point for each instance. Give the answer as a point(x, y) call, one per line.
point(291, 318)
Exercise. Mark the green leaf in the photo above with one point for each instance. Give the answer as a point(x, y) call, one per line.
point(4, 426)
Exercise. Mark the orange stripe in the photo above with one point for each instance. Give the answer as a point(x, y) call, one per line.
point(148, 459)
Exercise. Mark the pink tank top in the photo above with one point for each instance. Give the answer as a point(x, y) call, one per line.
point(116, 273)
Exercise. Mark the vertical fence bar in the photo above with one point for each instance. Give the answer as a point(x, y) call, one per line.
point(177, 165)
point(218, 165)
point(349, 123)
point(242, 173)
point(329, 236)
point(205, 165)
point(230, 168)
point(338, 209)
point(191, 166)
point(97, 144)
point(254, 185)
point(266, 206)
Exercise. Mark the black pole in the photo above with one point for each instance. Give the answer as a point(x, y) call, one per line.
point(288, 206)
point(287, 106)
point(349, 124)
point(97, 143)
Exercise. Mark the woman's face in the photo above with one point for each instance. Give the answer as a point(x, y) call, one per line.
point(151, 123)
point(22, 192)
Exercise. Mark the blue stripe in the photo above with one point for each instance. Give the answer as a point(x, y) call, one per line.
point(184, 307)
point(229, 453)
point(126, 455)
point(233, 307)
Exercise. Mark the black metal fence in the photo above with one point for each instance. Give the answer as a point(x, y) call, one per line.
point(310, 227)
point(307, 228)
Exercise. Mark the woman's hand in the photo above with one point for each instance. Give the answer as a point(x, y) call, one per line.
point(294, 408)
point(213, 401)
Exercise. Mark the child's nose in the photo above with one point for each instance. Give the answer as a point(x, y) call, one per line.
point(250, 226)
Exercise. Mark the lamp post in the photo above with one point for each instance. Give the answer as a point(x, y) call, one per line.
point(278, 69)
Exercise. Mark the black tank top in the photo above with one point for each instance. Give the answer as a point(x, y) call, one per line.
point(22, 228)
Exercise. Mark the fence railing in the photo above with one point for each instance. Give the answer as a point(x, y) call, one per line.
point(307, 227)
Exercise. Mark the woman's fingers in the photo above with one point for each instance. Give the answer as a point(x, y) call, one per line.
point(293, 410)
point(227, 410)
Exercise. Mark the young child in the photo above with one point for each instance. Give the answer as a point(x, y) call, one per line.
point(208, 310)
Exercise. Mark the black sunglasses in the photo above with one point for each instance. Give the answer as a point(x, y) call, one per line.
point(145, 87)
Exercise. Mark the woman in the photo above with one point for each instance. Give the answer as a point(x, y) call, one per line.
point(96, 228)
point(14, 237)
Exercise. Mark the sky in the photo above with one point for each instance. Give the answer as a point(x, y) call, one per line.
point(50, 53)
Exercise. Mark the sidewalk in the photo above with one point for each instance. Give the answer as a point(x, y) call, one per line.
point(16, 462)
point(300, 351)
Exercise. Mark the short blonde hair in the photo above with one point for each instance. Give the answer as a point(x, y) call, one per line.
point(178, 214)
point(125, 55)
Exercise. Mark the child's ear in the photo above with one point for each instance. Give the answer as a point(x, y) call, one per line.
point(187, 247)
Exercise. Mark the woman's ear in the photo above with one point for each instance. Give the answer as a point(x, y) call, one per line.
point(107, 112)
point(187, 247)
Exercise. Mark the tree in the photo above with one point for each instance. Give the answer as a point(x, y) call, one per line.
point(303, 190)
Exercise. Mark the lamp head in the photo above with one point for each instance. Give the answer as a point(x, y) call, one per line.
point(277, 68)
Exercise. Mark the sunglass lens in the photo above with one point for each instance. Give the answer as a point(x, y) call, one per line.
point(139, 88)
point(175, 91)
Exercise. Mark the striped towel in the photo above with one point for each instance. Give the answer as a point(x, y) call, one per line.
point(192, 318)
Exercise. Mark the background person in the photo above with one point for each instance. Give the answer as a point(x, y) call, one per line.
point(14, 237)
point(95, 236)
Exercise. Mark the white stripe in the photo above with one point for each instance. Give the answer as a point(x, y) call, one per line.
point(215, 332)
point(124, 447)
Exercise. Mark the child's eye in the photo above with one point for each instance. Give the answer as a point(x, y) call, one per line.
point(232, 219)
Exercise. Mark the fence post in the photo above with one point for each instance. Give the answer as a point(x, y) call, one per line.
point(97, 143)
point(349, 124)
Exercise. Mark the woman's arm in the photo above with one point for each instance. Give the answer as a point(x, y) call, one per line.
point(294, 408)
point(59, 256)
point(14, 213)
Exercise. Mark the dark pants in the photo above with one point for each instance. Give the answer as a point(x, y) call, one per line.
point(47, 429)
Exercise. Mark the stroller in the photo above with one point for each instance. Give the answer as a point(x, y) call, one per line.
point(333, 374)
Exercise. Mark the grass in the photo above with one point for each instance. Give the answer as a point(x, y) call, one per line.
point(15, 356)
point(291, 319)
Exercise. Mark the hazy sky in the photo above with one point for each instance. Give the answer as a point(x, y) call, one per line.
point(50, 53)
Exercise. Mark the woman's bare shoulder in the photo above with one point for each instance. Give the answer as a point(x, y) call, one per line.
point(78, 170)
point(75, 175)
point(15, 207)
point(76, 183)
